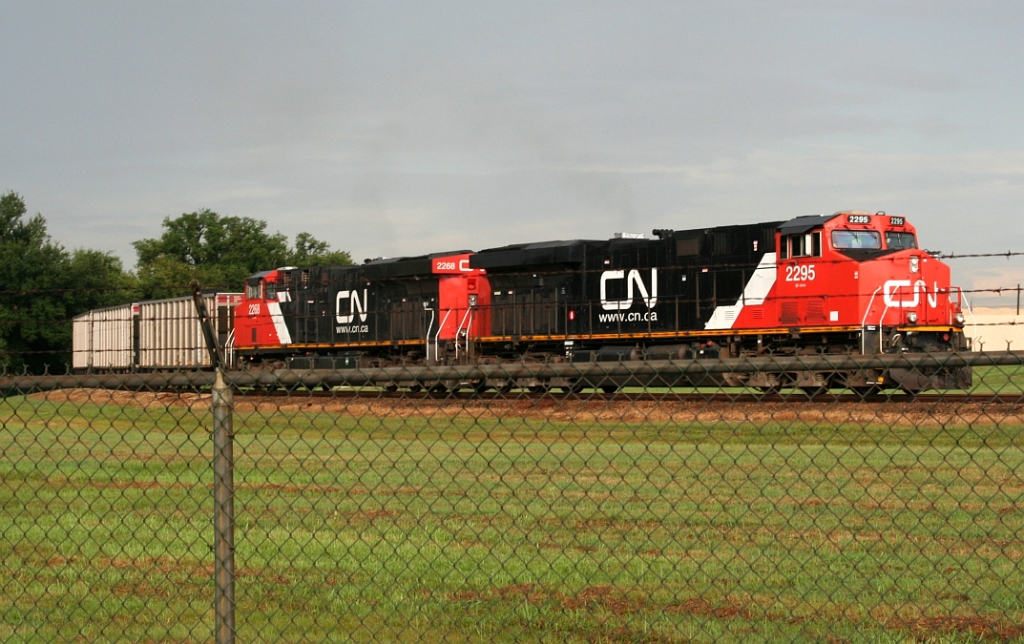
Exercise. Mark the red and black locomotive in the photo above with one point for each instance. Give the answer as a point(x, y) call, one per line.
point(848, 283)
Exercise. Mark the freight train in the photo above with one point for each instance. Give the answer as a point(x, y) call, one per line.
point(850, 283)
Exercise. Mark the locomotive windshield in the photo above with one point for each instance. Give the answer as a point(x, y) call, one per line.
point(856, 239)
point(900, 241)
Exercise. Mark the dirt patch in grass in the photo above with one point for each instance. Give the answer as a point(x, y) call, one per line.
point(981, 626)
point(310, 488)
point(369, 516)
point(148, 565)
point(703, 608)
point(621, 602)
point(609, 598)
point(125, 398)
point(573, 409)
point(143, 485)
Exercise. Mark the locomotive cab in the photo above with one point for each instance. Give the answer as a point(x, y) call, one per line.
point(258, 319)
point(867, 270)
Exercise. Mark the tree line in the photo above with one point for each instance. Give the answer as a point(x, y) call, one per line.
point(44, 284)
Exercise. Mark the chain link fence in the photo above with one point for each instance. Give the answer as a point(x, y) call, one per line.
point(332, 507)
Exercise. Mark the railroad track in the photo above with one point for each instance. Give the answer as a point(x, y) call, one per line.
point(795, 397)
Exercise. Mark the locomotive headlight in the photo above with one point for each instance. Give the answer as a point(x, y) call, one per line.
point(912, 317)
point(960, 319)
point(915, 264)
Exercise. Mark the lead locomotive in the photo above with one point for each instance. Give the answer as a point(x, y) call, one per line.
point(848, 283)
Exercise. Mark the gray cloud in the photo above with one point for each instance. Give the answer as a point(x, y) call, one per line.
point(400, 128)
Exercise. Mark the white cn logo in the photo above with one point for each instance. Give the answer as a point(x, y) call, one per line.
point(633, 281)
point(894, 288)
point(355, 305)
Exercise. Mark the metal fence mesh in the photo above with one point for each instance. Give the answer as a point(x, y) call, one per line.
point(651, 515)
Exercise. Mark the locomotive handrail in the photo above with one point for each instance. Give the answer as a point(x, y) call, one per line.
point(429, 328)
point(437, 335)
point(229, 349)
point(864, 323)
point(469, 312)
point(974, 321)
point(881, 319)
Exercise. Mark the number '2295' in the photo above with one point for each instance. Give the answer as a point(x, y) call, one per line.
point(801, 273)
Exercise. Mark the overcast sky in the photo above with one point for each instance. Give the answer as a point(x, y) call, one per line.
point(390, 128)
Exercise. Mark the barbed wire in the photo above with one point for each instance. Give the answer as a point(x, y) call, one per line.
point(1008, 254)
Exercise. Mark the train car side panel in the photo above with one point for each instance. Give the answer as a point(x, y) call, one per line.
point(103, 339)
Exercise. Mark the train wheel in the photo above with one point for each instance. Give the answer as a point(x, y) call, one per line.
point(609, 389)
point(415, 388)
point(391, 388)
point(505, 388)
point(538, 389)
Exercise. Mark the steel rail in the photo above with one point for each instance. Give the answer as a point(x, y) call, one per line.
point(795, 396)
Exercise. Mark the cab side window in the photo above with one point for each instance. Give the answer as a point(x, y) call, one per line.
point(252, 291)
point(804, 245)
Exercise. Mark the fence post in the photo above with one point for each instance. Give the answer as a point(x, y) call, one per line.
point(223, 511)
point(223, 484)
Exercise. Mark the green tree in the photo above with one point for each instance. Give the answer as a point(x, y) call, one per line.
point(44, 286)
point(220, 252)
point(310, 251)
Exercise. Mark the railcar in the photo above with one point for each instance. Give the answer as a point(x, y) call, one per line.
point(847, 283)
point(104, 339)
point(151, 335)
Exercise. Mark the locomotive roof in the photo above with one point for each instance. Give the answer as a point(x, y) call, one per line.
point(256, 276)
point(406, 266)
point(805, 223)
point(538, 253)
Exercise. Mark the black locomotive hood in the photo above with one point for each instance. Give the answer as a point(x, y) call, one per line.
point(405, 266)
point(805, 223)
point(537, 254)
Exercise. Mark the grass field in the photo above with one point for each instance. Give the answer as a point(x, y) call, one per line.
point(509, 529)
